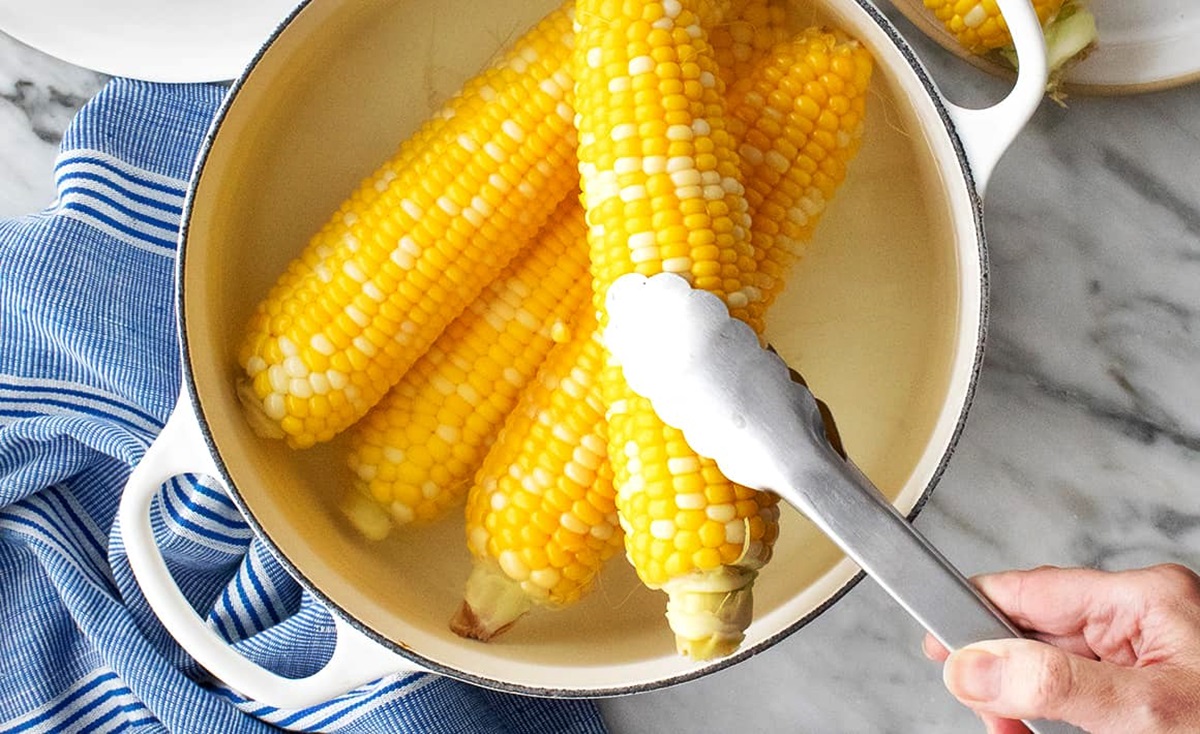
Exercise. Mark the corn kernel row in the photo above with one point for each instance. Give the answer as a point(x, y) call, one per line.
point(799, 119)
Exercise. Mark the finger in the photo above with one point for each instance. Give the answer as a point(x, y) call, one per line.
point(1049, 599)
point(1099, 610)
point(933, 649)
point(997, 725)
point(1074, 644)
point(1026, 679)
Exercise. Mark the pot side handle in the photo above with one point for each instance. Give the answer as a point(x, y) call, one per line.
point(180, 448)
point(986, 133)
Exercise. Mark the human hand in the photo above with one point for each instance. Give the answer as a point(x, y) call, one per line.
point(1123, 654)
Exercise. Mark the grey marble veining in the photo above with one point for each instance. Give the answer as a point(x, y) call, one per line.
point(1082, 446)
point(38, 97)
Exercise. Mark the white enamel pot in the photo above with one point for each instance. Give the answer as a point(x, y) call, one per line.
point(886, 319)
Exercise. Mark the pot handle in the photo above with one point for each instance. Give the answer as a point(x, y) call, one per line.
point(986, 133)
point(181, 448)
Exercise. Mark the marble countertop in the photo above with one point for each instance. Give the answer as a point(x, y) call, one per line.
point(1083, 444)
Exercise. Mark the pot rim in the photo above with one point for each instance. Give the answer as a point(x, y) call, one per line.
point(189, 381)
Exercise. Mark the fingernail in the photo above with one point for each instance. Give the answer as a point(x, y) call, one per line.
point(973, 675)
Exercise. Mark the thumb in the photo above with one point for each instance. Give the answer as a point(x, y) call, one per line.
point(1026, 679)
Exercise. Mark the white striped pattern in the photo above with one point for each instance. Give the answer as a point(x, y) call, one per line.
point(178, 511)
point(38, 519)
point(242, 610)
point(341, 712)
point(137, 207)
point(97, 703)
point(20, 395)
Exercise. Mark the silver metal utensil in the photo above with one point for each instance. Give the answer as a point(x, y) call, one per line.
point(706, 374)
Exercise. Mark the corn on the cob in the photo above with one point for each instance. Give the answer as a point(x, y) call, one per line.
point(336, 234)
point(541, 519)
point(498, 593)
point(799, 119)
point(689, 530)
point(415, 453)
point(393, 269)
point(979, 27)
point(661, 187)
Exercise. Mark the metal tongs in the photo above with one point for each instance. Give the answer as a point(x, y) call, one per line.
point(706, 374)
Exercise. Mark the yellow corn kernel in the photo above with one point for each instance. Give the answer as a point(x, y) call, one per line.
point(477, 367)
point(751, 29)
point(394, 266)
point(799, 118)
point(684, 213)
point(541, 522)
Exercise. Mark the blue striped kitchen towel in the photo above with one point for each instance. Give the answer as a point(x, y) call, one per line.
point(88, 373)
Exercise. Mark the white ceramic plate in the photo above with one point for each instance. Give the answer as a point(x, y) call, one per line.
point(155, 40)
point(1144, 45)
point(1151, 43)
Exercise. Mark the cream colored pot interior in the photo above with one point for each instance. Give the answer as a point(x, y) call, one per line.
point(883, 319)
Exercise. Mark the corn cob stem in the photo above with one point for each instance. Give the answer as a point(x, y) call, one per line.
point(392, 269)
point(710, 612)
point(492, 603)
point(1070, 37)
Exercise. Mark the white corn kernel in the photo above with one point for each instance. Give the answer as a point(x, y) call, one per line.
point(662, 529)
point(677, 465)
point(641, 65)
point(721, 513)
point(294, 366)
point(513, 566)
point(288, 347)
point(545, 577)
point(572, 523)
